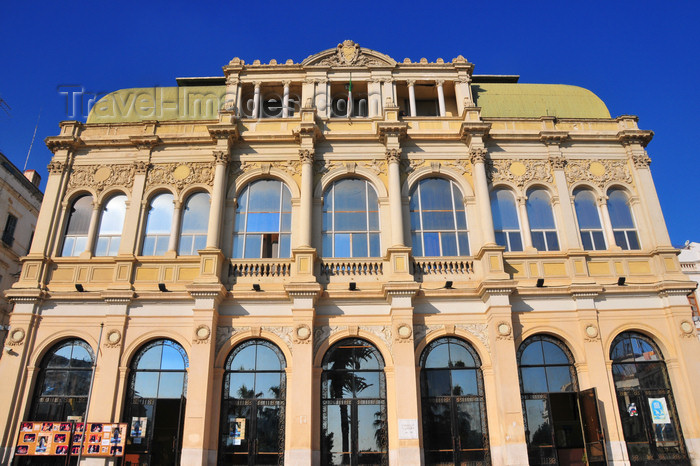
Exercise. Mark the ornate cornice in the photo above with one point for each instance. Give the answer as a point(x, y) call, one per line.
point(145, 141)
point(635, 136)
point(389, 129)
point(553, 137)
point(55, 143)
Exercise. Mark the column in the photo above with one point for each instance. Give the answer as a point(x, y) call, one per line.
point(92, 229)
point(607, 226)
point(568, 229)
point(256, 100)
point(306, 156)
point(441, 96)
point(175, 230)
point(217, 199)
point(463, 94)
point(524, 223)
point(650, 198)
point(50, 209)
point(132, 219)
point(285, 99)
point(393, 157)
point(483, 199)
point(412, 96)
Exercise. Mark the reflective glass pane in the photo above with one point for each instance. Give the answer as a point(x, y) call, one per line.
point(238, 246)
point(539, 210)
point(552, 241)
point(505, 214)
point(62, 356)
point(464, 382)
point(460, 357)
point(244, 359)
point(55, 383)
point(463, 239)
point(285, 246)
point(268, 385)
point(586, 210)
point(114, 246)
point(598, 240)
point(359, 245)
point(534, 380)
point(538, 240)
point(449, 244)
point(433, 220)
point(253, 246)
point(172, 359)
point(267, 434)
point(652, 375)
point(587, 241)
point(286, 223)
point(349, 195)
point(200, 242)
point(242, 385)
point(367, 384)
point(374, 245)
point(336, 435)
point(342, 245)
point(101, 248)
point(516, 243)
point(185, 247)
point(68, 245)
point(266, 359)
point(416, 244)
point(438, 357)
point(339, 384)
point(79, 383)
point(371, 429)
point(438, 382)
point(171, 384)
point(160, 215)
point(149, 246)
point(469, 427)
point(539, 430)
point(263, 222)
point(327, 244)
point(437, 428)
point(620, 215)
point(559, 379)
point(350, 221)
point(264, 196)
point(150, 359)
point(196, 214)
point(146, 384)
point(415, 221)
point(113, 214)
point(633, 240)
point(532, 354)
point(621, 239)
point(80, 213)
point(432, 244)
point(80, 357)
point(553, 354)
point(501, 238)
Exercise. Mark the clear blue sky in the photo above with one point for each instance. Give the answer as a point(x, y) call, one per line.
point(640, 57)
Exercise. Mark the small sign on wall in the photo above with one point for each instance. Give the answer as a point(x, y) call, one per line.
point(408, 429)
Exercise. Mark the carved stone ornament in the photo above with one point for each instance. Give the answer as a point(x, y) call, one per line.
point(100, 177)
point(221, 156)
point(598, 172)
point(284, 333)
point(504, 329)
point(478, 154)
point(592, 333)
point(393, 155)
point(404, 332)
point(520, 172)
point(223, 334)
point(180, 175)
point(421, 330)
point(557, 162)
point(302, 334)
point(16, 337)
point(306, 156)
point(202, 334)
point(290, 166)
point(322, 166)
point(350, 54)
point(687, 329)
point(382, 331)
point(641, 160)
point(480, 331)
point(114, 337)
point(141, 167)
point(322, 333)
point(56, 167)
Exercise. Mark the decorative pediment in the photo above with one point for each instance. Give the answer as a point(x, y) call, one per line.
point(349, 54)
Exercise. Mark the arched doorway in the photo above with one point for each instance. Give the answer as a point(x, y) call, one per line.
point(252, 408)
point(155, 406)
point(353, 404)
point(645, 402)
point(453, 404)
point(561, 424)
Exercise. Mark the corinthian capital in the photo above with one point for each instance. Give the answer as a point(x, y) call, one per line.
point(393, 155)
point(56, 167)
point(557, 162)
point(641, 160)
point(477, 155)
point(306, 156)
point(221, 156)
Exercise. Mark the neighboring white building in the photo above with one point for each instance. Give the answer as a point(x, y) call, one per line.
point(690, 265)
point(20, 200)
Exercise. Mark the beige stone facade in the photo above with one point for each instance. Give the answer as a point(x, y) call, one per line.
point(408, 122)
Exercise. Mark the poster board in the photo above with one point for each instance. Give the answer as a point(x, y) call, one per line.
point(63, 438)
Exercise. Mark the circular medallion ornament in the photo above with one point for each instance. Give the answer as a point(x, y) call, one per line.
point(114, 337)
point(303, 332)
point(404, 331)
point(591, 331)
point(686, 327)
point(202, 332)
point(181, 172)
point(102, 174)
point(17, 335)
point(518, 168)
point(504, 329)
point(597, 168)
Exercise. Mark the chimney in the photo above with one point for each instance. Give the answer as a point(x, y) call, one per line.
point(33, 177)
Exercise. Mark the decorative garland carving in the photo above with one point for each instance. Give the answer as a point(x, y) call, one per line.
point(221, 156)
point(322, 333)
point(519, 172)
point(99, 177)
point(284, 333)
point(382, 331)
point(598, 172)
point(460, 165)
point(224, 334)
point(290, 166)
point(409, 165)
point(187, 174)
point(376, 166)
point(480, 331)
point(421, 330)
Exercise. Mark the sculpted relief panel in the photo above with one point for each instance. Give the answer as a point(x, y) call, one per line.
point(520, 172)
point(181, 174)
point(100, 177)
point(597, 172)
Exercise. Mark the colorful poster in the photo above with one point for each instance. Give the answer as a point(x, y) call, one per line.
point(43, 438)
point(659, 411)
point(105, 439)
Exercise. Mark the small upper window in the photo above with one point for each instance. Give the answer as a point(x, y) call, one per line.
point(438, 219)
point(111, 225)
point(621, 219)
point(8, 235)
point(195, 220)
point(350, 219)
point(263, 221)
point(506, 224)
point(158, 226)
point(543, 231)
point(75, 240)
point(589, 226)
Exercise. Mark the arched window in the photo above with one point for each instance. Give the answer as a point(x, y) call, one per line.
point(589, 226)
point(621, 219)
point(350, 219)
point(111, 225)
point(438, 219)
point(155, 405)
point(506, 224)
point(645, 401)
point(454, 407)
point(252, 408)
point(195, 220)
point(158, 225)
point(263, 221)
point(353, 403)
point(543, 230)
point(64, 382)
point(75, 239)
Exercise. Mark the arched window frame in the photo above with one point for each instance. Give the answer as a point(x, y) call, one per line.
point(75, 239)
point(192, 241)
point(454, 239)
point(625, 235)
point(592, 237)
point(272, 242)
point(508, 236)
point(544, 238)
point(108, 241)
point(367, 237)
point(156, 243)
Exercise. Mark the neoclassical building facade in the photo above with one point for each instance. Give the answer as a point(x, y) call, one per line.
point(354, 260)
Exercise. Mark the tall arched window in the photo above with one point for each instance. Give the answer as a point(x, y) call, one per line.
point(589, 226)
point(543, 230)
point(454, 407)
point(621, 219)
point(158, 225)
point(195, 220)
point(75, 239)
point(506, 224)
point(155, 405)
point(64, 382)
point(438, 219)
point(252, 408)
point(263, 221)
point(353, 403)
point(645, 401)
point(111, 225)
point(350, 219)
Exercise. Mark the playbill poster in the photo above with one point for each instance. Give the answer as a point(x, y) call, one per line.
point(64, 438)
